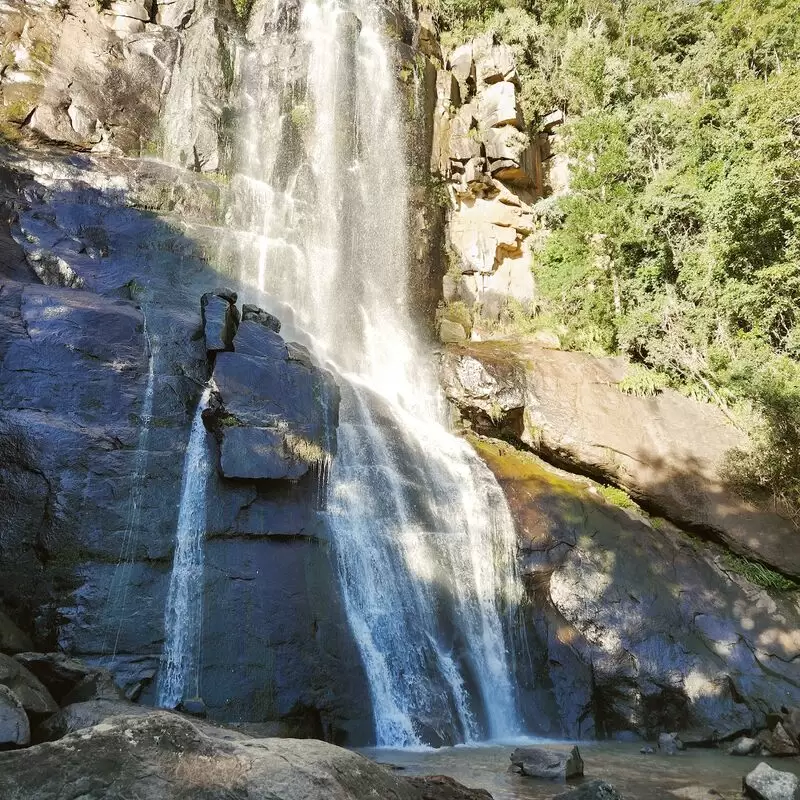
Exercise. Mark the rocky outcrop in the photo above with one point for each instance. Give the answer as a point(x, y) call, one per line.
point(90, 476)
point(163, 755)
point(646, 629)
point(493, 164)
point(666, 451)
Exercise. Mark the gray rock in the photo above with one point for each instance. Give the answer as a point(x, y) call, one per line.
point(259, 453)
point(28, 689)
point(451, 332)
point(254, 339)
point(647, 750)
point(12, 639)
point(194, 707)
point(220, 319)
point(766, 783)
point(744, 746)
point(442, 787)
point(778, 742)
point(250, 312)
point(537, 762)
point(594, 790)
point(83, 715)
point(14, 726)
point(161, 754)
point(60, 673)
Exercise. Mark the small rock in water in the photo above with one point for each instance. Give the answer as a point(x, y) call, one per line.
point(744, 746)
point(766, 783)
point(647, 750)
point(536, 762)
point(669, 743)
point(193, 706)
point(594, 790)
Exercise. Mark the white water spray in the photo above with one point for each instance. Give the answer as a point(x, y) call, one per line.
point(424, 540)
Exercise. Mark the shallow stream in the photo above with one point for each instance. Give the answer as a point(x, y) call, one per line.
point(636, 776)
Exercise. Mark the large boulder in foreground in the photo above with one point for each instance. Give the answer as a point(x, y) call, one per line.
point(163, 756)
point(766, 783)
point(666, 450)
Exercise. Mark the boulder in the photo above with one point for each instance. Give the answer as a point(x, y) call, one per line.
point(220, 319)
point(594, 790)
point(669, 743)
point(442, 787)
point(790, 719)
point(194, 707)
point(777, 742)
point(162, 754)
point(28, 689)
point(256, 314)
point(14, 726)
point(537, 762)
point(12, 639)
point(79, 716)
point(766, 783)
point(744, 746)
point(450, 331)
point(254, 339)
point(62, 675)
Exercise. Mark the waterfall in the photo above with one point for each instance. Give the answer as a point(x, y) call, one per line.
point(179, 675)
point(423, 538)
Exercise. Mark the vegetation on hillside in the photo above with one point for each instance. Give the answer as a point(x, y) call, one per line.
point(678, 243)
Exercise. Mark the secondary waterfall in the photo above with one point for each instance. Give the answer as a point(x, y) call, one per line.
point(423, 537)
point(179, 676)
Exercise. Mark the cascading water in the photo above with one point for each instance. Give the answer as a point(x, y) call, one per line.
point(423, 537)
point(179, 676)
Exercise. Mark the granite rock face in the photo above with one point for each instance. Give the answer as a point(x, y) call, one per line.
point(666, 451)
point(646, 629)
point(100, 386)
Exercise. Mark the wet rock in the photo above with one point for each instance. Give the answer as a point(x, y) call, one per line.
point(14, 726)
point(194, 707)
point(220, 319)
point(594, 790)
point(28, 689)
point(766, 783)
point(442, 787)
point(647, 750)
point(12, 639)
point(777, 742)
point(254, 339)
point(744, 746)
point(537, 762)
point(161, 754)
point(256, 314)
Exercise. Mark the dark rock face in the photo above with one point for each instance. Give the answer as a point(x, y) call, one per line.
point(165, 756)
point(90, 479)
point(645, 628)
point(665, 450)
point(220, 318)
point(28, 689)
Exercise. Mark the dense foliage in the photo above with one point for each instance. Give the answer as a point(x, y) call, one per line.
point(678, 243)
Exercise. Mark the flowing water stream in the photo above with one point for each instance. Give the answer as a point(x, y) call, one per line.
point(179, 676)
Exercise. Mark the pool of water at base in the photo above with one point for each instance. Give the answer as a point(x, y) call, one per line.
point(635, 776)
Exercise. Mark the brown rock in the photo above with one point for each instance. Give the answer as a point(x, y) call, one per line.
point(777, 742)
